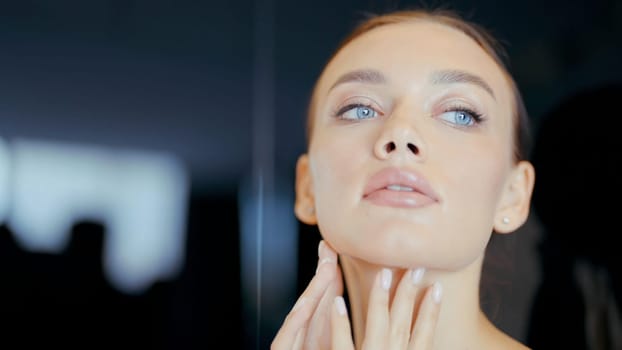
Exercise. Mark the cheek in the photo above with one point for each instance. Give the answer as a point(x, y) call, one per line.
point(472, 188)
point(475, 180)
point(335, 165)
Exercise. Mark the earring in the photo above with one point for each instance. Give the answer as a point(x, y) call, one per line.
point(506, 220)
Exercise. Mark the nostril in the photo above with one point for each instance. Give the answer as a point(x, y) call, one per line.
point(389, 147)
point(414, 149)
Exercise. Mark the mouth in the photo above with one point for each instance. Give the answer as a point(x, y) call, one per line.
point(401, 188)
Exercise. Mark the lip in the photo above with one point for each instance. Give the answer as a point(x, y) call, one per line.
point(422, 194)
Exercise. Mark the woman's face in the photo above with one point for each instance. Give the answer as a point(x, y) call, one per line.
point(411, 147)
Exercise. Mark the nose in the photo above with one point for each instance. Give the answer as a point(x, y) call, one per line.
point(399, 138)
point(391, 146)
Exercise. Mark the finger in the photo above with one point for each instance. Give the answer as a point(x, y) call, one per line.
point(340, 326)
point(324, 275)
point(325, 254)
point(402, 307)
point(301, 313)
point(427, 318)
point(300, 337)
point(318, 330)
point(289, 336)
point(378, 311)
point(329, 255)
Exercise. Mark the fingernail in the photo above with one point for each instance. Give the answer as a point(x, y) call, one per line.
point(320, 248)
point(437, 292)
point(322, 262)
point(417, 275)
point(387, 275)
point(299, 304)
point(340, 305)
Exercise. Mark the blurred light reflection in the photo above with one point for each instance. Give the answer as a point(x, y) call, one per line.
point(140, 197)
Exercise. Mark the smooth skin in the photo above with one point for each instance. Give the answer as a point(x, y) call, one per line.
point(423, 98)
point(389, 326)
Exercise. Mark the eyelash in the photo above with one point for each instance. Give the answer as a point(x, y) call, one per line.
point(478, 118)
point(341, 111)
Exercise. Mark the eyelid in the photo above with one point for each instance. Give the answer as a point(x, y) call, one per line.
point(454, 102)
point(477, 118)
point(357, 100)
point(456, 97)
point(455, 107)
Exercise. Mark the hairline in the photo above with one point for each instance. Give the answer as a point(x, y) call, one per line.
point(477, 34)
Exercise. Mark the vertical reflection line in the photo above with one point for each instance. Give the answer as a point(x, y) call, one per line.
point(263, 130)
point(259, 230)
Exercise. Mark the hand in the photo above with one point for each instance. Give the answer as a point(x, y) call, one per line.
point(308, 325)
point(390, 327)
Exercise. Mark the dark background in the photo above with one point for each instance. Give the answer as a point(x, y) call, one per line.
point(224, 86)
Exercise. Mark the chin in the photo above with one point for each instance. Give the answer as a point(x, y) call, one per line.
point(398, 245)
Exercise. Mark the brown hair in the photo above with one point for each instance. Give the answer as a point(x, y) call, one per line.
point(451, 19)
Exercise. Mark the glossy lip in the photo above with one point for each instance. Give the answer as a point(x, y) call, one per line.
point(422, 195)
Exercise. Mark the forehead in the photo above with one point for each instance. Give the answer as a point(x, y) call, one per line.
point(408, 50)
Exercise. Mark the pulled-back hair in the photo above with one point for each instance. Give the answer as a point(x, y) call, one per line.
point(476, 32)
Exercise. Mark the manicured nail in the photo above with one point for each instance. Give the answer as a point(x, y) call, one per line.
point(322, 262)
point(387, 275)
point(320, 248)
point(299, 304)
point(340, 305)
point(437, 292)
point(417, 275)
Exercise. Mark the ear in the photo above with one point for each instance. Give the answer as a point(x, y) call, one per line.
point(515, 202)
point(304, 206)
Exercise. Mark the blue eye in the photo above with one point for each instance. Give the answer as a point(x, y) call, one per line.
point(357, 112)
point(461, 117)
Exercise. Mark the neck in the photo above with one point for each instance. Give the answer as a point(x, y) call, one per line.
point(461, 321)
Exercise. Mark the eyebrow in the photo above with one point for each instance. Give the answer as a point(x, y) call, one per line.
point(458, 76)
point(448, 76)
point(369, 76)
